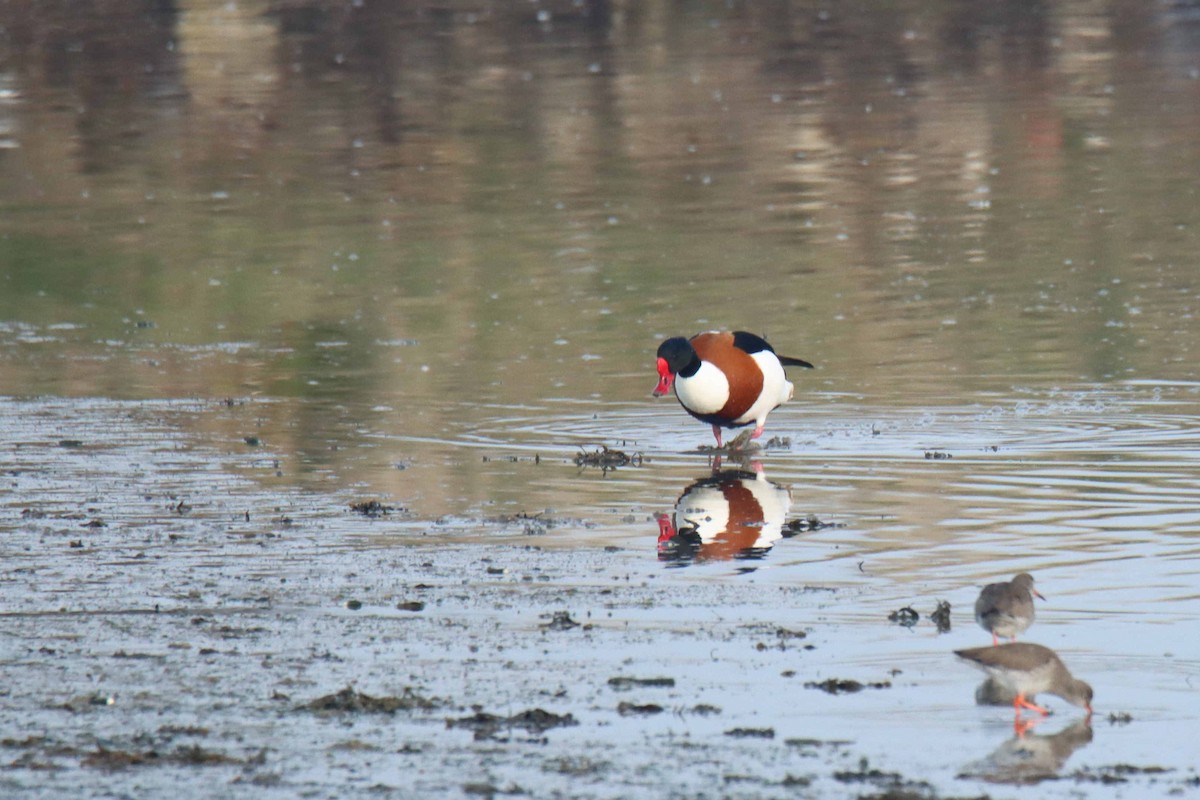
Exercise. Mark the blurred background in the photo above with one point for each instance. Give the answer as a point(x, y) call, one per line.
point(411, 220)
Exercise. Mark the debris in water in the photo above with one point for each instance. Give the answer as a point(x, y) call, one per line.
point(621, 682)
point(751, 733)
point(533, 524)
point(607, 459)
point(1115, 773)
point(189, 756)
point(86, 702)
point(350, 701)
point(845, 685)
point(739, 445)
point(808, 525)
point(941, 616)
point(897, 787)
point(561, 621)
point(534, 721)
point(371, 508)
point(906, 616)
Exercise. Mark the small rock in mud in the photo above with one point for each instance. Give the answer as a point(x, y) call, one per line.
point(941, 616)
point(1120, 718)
point(371, 508)
point(704, 710)
point(906, 616)
point(621, 682)
point(607, 459)
point(354, 605)
point(253, 441)
point(411, 605)
point(350, 701)
point(70, 443)
point(937, 454)
point(845, 685)
point(751, 733)
point(560, 622)
point(534, 721)
point(633, 709)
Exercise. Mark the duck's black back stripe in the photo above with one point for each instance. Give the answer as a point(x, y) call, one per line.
point(750, 343)
point(756, 344)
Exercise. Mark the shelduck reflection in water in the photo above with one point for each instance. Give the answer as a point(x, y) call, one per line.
point(731, 514)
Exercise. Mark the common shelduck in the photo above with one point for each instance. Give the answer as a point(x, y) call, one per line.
point(1006, 609)
point(727, 379)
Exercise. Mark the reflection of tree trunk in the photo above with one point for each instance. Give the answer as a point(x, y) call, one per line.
point(373, 34)
point(117, 63)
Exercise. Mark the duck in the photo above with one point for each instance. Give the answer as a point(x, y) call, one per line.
point(728, 379)
point(1006, 608)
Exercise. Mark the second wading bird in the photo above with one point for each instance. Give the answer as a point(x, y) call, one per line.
point(728, 379)
point(1006, 609)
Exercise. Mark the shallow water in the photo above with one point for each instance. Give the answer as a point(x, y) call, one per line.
point(261, 261)
point(180, 579)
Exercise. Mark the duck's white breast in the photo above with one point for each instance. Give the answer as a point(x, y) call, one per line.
point(706, 392)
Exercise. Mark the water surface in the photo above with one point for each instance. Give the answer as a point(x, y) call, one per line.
point(424, 254)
